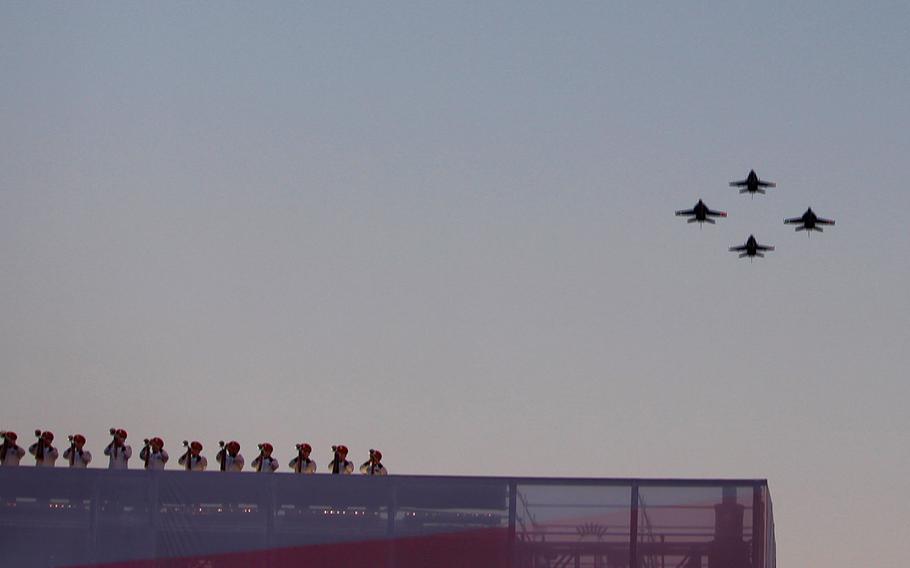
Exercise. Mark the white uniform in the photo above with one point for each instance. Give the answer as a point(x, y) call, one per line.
point(50, 455)
point(368, 468)
point(231, 463)
point(269, 464)
point(197, 463)
point(14, 453)
point(308, 465)
point(119, 456)
point(81, 459)
point(156, 460)
point(345, 467)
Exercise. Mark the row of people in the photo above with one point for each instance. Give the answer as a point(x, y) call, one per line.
point(155, 457)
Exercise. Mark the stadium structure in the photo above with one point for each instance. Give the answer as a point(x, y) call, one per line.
point(176, 519)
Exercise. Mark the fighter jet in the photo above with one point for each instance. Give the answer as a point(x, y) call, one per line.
point(752, 184)
point(808, 222)
point(751, 249)
point(700, 213)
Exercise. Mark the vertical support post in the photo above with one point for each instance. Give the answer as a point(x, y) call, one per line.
point(152, 499)
point(391, 509)
point(392, 512)
point(93, 518)
point(758, 527)
point(633, 527)
point(270, 514)
point(513, 514)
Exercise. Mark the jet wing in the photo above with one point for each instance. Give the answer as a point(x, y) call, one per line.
point(793, 221)
point(766, 184)
point(716, 213)
point(763, 247)
point(738, 249)
point(741, 183)
point(686, 212)
point(821, 221)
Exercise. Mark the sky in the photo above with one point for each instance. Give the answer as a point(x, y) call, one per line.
point(446, 230)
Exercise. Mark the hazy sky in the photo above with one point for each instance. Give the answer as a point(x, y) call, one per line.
point(446, 230)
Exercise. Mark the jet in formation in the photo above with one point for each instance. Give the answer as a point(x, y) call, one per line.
point(808, 222)
point(700, 213)
point(752, 248)
point(752, 184)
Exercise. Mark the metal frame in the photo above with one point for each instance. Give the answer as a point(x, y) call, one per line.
point(393, 495)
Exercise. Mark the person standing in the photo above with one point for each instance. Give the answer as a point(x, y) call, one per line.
point(302, 463)
point(153, 454)
point(10, 452)
point(118, 450)
point(45, 453)
point(77, 456)
point(373, 466)
point(193, 460)
point(264, 462)
point(340, 464)
point(229, 457)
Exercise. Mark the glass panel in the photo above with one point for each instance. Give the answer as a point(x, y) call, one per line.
point(573, 525)
point(695, 527)
point(324, 509)
point(429, 505)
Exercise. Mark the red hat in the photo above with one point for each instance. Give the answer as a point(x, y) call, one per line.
point(79, 439)
point(342, 449)
point(195, 446)
point(304, 447)
point(377, 454)
point(48, 436)
point(11, 436)
point(266, 447)
point(233, 446)
point(120, 433)
point(157, 442)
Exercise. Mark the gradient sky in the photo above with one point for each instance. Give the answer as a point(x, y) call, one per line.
point(446, 230)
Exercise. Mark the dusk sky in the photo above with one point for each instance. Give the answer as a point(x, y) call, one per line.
point(446, 230)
